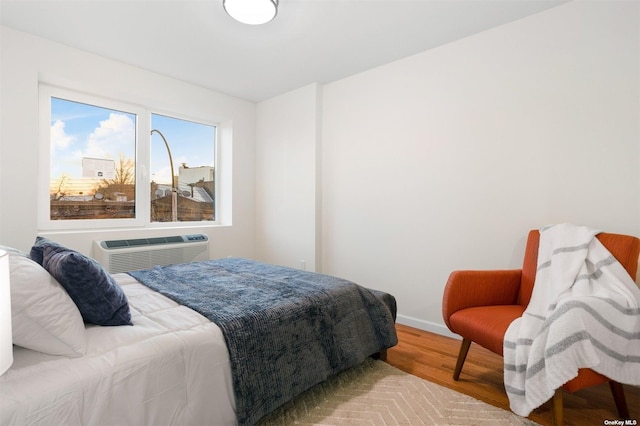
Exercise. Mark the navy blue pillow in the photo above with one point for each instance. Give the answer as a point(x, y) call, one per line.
point(37, 251)
point(98, 297)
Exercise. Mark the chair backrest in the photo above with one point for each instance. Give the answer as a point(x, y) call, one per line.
point(625, 248)
point(529, 267)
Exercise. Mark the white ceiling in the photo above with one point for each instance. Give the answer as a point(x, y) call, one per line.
point(309, 41)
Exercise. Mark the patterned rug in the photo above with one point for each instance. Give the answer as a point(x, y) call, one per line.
point(376, 393)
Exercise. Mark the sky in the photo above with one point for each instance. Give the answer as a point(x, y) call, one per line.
point(189, 142)
point(80, 130)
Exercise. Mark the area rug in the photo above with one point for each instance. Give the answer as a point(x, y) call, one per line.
point(375, 393)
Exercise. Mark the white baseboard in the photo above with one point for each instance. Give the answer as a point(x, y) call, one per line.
point(429, 326)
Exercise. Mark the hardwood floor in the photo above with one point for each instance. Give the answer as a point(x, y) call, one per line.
point(433, 357)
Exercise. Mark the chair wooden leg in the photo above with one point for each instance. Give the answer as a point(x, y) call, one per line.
point(462, 356)
point(618, 397)
point(557, 407)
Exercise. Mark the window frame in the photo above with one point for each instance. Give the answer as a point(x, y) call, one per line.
point(142, 160)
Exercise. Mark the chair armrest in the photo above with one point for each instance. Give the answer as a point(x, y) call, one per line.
point(467, 289)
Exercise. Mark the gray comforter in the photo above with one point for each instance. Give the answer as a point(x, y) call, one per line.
point(286, 329)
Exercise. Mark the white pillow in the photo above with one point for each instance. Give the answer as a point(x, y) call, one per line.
point(43, 316)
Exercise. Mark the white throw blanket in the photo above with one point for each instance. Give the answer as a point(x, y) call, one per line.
point(584, 313)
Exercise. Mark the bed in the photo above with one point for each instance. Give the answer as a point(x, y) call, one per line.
point(173, 364)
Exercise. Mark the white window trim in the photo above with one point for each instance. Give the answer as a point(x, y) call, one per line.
point(143, 145)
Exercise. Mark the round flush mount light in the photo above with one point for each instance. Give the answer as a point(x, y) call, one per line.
point(252, 12)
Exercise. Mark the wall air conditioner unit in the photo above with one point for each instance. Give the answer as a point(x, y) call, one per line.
point(142, 253)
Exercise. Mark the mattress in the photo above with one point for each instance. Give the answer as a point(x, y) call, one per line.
point(171, 367)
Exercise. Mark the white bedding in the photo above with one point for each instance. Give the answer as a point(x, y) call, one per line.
point(170, 367)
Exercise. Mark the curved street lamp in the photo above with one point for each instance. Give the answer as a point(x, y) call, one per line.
point(174, 189)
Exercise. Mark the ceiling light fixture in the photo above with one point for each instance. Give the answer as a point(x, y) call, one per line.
point(252, 12)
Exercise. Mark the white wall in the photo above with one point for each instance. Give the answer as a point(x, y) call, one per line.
point(446, 159)
point(26, 59)
point(287, 192)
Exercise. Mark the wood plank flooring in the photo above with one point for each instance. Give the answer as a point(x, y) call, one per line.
point(433, 357)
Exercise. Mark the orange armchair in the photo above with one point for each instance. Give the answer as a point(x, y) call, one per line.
point(480, 306)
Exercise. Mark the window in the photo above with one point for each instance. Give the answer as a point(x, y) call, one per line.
point(184, 150)
point(92, 165)
point(96, 154)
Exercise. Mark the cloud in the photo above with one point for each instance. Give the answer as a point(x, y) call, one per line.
point(162, 175)
point(59, 138)
point(113, 136)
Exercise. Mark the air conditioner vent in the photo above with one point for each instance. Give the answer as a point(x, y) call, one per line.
point(111, 244)
point(116, 243)
point(141, 253)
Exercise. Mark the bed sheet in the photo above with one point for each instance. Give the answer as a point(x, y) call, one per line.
point(171, 367)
